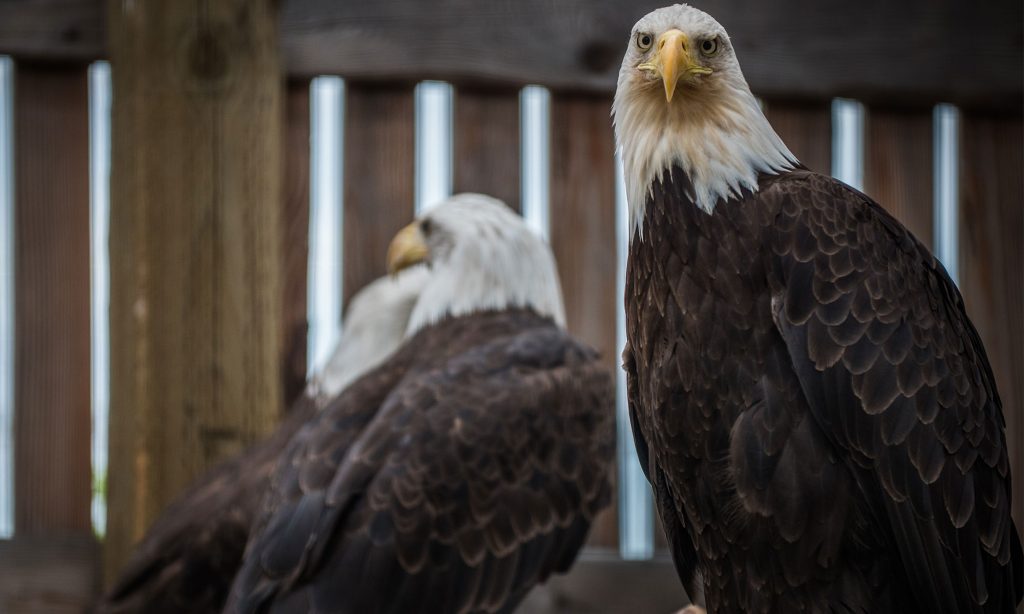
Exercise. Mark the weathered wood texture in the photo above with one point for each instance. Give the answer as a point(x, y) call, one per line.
point(600, 582)
point(898, 160)
point(53, 29)
point(53, 480)
point(295, 240)
point(379, 177)
point(195, 305)
point(583, 237)
point(807, 131)
point(486, 148)
point(875, 51)
point(991, 253)
point(48, 575)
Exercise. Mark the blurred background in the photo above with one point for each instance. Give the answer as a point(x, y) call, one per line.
point(191, 190)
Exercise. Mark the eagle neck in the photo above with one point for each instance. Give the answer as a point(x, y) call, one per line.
point(722, 143)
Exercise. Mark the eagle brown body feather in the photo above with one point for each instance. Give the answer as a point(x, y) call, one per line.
point(813, 407)
point(451, 479)
point(187, 559)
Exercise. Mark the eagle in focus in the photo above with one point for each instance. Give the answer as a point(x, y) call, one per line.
point(188, 557)
point(466, 468)
point(810, 402)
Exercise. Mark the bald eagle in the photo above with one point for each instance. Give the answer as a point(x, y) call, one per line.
point(187, 559)
point(810, 402)
point(465, 469)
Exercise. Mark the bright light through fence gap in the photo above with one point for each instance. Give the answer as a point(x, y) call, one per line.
point(636, 509)
point(848, 142)
point(535, 136)
point(946, 126)
point(6, 298)
point(433, 143)
point(326, 220)
point(99, 224)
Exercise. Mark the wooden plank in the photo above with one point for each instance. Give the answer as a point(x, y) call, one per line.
point(600, 581)
point(878, 52)
point(53, 29)
point(195, 305)
point(53, 479)
point(583, 236)
point(991, 253)
point(379, 177)
point(295, 240)
point(49, 575)
point(898, 160)
point(807, 131)
point(487, 143)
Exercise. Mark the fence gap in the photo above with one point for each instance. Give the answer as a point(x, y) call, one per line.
point(535, 157)
point(6, 299)
point(326, 223)
point(636, 505)
point(433, 143)
point(946, 121)
point(848, 142)
point(99, 224)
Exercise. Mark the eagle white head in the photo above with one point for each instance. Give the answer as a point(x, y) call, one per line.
point(682, 100)
point(481, 256)
point(374, 326)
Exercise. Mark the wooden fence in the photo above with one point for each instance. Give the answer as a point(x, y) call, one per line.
point(899, 60)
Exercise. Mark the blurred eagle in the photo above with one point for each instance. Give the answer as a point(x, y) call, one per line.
point(810, 402)
point(465, 469)
point(187, 559)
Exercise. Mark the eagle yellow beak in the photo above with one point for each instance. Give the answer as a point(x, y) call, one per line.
point(672, 60)
point(407, 248)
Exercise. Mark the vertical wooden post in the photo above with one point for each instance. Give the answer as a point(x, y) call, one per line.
point(379, 177)
point(51, 423)
point(807, 131)
point(295, 240)
point(583, 237)
point(898, 167)
point(195, 307)
point(487, 143)
point(991, 252)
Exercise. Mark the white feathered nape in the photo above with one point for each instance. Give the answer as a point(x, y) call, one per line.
point(374, 326)
point(483, 256)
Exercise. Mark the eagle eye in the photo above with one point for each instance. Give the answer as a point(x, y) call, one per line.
point(709, 47)
point(426, 226)
point(644, 41)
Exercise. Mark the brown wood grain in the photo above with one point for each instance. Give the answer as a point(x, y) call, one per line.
point(295, 240)
point(379, 177)
point(195, 238)
point(898, 160)
point(991, 253)
point(583, 236)
point(53, 29)
point(487, 143)
point(879, 52)
point(49, 574)
point(806, 128)
point(53, 479)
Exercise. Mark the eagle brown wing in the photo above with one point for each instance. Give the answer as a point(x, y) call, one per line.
point(896, 377)
point(187, 559)
point(476, 476)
